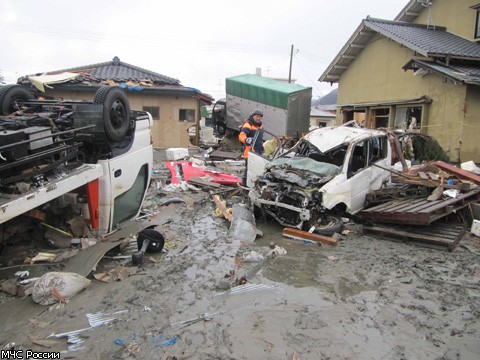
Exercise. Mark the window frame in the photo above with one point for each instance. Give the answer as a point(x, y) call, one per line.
point(148, 109)
point(476, 34)
point(186, 116)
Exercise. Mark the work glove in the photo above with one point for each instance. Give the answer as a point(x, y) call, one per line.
point(248, 141)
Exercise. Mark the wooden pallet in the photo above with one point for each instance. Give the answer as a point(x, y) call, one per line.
point(418, 211)
point(443, 235)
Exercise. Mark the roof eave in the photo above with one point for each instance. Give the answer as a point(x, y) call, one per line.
point(332, 78)
point(415, 64)
point(147, 90)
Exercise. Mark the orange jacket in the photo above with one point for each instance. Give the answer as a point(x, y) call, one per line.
point(248, 130)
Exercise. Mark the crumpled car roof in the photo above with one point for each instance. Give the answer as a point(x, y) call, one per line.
point(327, 138)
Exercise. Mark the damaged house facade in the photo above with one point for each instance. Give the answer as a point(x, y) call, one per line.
point(174, 107)
point(420, 71)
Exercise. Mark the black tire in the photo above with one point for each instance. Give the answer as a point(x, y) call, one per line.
point(157, 240)
point(11, 96)
point(328, 225)
point(116, 111)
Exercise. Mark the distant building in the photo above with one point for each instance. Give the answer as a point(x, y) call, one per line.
point(323, 110)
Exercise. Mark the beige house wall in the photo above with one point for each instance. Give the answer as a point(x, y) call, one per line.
point(377, 76)
point(168, 131)
point(455, 15)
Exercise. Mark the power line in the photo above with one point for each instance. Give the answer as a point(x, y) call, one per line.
point(314, 84)
point(110, 37)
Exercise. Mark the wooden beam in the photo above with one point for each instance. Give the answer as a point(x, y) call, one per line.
point(462, 174)
point(305, 235)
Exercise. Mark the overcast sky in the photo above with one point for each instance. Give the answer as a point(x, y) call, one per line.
point(198, 42)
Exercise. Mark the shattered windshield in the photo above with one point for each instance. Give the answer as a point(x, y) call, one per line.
point(307, 157)
point(306, 164)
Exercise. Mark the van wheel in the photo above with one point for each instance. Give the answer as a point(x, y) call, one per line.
point(328, 225)
point(116, 111)
point(11, 96)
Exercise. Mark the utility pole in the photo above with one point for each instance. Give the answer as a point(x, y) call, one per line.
point(290, 71)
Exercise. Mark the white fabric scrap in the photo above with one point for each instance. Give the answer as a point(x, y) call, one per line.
point(42, 81)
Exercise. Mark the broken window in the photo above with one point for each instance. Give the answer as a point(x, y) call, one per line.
point(358, 159)
point(366, 153)
point(357, 115)
point(187, 115)
point(154, 111)
point(377, 149)
point(127, 204)
point(408, 118)
point(380, 118)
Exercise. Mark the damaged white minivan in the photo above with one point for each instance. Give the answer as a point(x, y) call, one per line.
point(324, 176)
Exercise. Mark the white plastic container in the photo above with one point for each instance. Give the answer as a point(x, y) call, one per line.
point(475, 230)
point(177, 153)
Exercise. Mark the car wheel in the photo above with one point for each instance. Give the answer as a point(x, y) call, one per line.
point(328, 225)
point(116, 111)
point(11, 96)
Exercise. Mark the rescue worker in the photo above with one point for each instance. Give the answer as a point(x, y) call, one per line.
point(247, 132)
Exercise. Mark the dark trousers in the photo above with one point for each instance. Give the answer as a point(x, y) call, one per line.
point(244, 177)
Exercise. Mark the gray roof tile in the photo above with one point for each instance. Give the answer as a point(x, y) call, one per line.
point(426, 40)
point(120, 71)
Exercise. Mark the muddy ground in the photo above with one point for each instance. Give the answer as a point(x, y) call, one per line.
point(366, 298)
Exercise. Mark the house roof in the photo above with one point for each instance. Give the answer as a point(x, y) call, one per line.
point(117, 70)
point(316, 111)
point(464, 73)
point(428, 41)
point(425, 40)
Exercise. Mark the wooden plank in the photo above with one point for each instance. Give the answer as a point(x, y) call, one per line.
point(433, 238)
point(393, 205)
point(299, 234)
point(423, 175)
point(462, 174)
